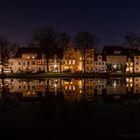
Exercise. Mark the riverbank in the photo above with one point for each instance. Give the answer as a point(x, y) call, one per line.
point(61, 75)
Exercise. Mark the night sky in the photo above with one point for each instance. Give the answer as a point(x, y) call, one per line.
point(109, 20)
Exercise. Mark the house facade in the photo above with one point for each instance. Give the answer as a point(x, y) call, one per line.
point(116, 58)
point(28, 60)
point(100, 63)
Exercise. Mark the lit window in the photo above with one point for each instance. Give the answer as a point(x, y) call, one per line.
point(73, 61)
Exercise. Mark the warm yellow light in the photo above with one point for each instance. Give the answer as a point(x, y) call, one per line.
point(127, 79)
point(28, 57)
point(131, 64)
point(55, 66)
point(73, 61)
point(115, 66)
point(69, 87)
point(73, 87)
point(80, 58)
point(131, 80)
point(80, 68)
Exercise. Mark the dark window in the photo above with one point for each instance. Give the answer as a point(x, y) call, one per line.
point(33, 62)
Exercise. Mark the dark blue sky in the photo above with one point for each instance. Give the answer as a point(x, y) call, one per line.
point(108, 19)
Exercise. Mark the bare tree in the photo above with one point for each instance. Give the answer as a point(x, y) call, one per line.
point(85, 40)
point(47, 39)
point(5, 50)
point(132, 41)
point(63, 40)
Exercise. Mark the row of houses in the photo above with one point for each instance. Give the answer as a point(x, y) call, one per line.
point(112, 59)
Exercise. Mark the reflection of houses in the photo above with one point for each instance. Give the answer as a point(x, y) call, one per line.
point(116, 90)
point(29, 60)
point(89, 89)
point(136, 85)
point(28, 88)
point(115, 57)
point(54, 85)
point(100, 63)
point(129, 84)
point(73, 90)
point(100, 86)
point(116, 86)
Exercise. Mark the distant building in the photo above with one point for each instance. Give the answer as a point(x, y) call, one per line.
point(116, 57)
point(70, 59)
point(55, 59)
point(100, 63)
point(28, 60)
point(73, 59)
point(89, 60)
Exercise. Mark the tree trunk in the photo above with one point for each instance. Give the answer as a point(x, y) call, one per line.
point(84, 62)
point(47, 65)
point(60, 65)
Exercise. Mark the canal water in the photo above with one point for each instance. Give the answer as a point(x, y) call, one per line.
point(70, 108)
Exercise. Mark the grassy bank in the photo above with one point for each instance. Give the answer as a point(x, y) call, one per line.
point(59, 75)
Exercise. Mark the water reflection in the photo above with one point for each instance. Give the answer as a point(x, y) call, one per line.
point(74, 90)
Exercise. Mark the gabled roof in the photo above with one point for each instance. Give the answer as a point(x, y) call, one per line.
point(24, 50)
point(114, 50)
point(103, 56)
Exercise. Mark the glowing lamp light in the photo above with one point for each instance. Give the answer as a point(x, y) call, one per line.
point(80, 68)
point(115, 66)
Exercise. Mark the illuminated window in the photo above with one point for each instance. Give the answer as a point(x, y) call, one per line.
point(69, 87)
